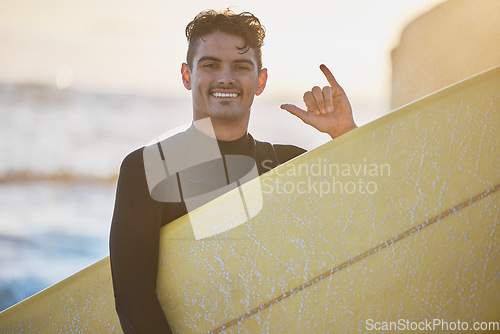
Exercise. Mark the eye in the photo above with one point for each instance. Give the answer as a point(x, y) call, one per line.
point(242, 67)
point(209, 65)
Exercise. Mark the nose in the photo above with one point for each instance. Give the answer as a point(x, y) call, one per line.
point(225, 76)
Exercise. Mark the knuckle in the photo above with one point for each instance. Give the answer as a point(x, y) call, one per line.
point(316, 89)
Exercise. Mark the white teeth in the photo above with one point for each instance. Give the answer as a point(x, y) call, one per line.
point(224, 94)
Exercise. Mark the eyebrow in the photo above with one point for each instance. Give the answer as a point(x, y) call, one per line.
point(210, 58)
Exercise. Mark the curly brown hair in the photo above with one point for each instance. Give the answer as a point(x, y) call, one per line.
point(245, 25)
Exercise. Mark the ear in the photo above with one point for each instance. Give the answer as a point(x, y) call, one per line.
point(186, 76)
point(262, 82)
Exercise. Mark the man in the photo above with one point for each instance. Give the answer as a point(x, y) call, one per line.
point(223, 72)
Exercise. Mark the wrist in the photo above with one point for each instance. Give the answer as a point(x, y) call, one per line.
point(337, 133)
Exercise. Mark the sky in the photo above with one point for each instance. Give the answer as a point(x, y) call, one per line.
point(137, 47)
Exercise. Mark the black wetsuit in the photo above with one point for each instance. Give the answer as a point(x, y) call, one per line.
point(135, 231)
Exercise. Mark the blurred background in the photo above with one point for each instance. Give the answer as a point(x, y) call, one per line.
point(84, 83)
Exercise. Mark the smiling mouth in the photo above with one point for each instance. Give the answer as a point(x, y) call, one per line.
point(224, 95)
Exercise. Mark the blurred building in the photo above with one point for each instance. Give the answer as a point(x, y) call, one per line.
point(451, 42)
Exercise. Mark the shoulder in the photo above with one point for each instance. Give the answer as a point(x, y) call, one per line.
point(132, 176)
point(133, 162)
point(287, 152)
point(133, 157)
point(283, 152)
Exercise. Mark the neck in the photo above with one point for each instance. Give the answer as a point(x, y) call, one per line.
point(226, 131)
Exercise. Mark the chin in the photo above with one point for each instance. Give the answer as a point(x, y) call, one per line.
point(227, 114)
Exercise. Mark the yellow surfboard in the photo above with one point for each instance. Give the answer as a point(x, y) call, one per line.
point(392, 226)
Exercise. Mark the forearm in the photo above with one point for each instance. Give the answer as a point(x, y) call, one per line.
point(134, 273)
point(142, 316)
point(134, 283)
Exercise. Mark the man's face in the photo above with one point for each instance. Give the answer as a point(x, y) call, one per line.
point(223, 80)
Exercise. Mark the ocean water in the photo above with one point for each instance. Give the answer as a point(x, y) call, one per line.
point(49, 230)
point(60, 152)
